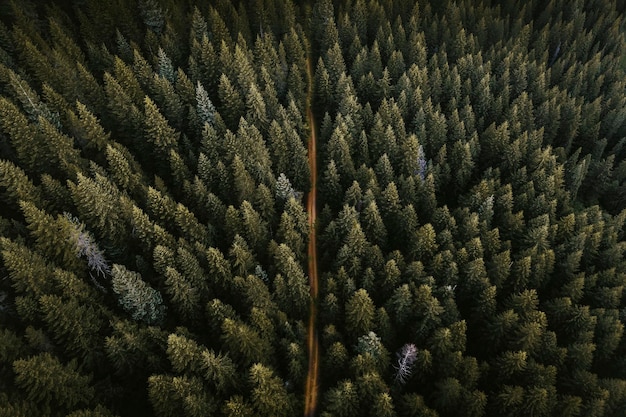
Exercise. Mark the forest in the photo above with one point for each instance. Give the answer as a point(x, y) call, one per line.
point(162, 210)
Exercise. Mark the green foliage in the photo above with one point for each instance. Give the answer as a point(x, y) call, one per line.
point(359, 313)
point(74, 325)
point(204, 106)
point(136, 296)
point(51, 384)
point(470, 202)
point(171, 395)
point(97, 200)
point(157, 130)
point(245, 343)
point(187, 356)
point(269, 396)
point(291, 285)
point(152, 15)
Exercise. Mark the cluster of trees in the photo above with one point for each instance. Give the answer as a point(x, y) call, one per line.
point(153, 234)
point(473, 208)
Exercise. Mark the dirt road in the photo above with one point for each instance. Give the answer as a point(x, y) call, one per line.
point(310, 395)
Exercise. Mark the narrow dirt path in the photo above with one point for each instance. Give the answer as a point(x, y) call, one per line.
point(310, 395)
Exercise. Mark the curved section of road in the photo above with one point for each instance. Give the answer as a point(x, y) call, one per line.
point(312, 381)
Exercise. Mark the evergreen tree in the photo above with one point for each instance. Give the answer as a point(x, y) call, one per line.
point(87, 129)
point(52, 385)
point(171, 395)
point(20, 132)
point(290, 284)
point(157, 130)
point(121, 107)
point(18, 185)
point(232, 102)
point(359, 313)
point(269, 396)
point(244, 342)
point(136, 296)
point(204, 106)
point(75, 326)
point(165, 67)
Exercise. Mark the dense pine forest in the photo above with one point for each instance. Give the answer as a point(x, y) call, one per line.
point(471, 208)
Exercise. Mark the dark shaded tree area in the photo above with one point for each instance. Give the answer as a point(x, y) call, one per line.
point(153, 237)
point(473, 208)
point(153, 159)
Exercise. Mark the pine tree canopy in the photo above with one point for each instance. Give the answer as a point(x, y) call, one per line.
point(334, 208)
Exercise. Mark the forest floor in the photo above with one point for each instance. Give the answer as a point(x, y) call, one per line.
point(310, 395)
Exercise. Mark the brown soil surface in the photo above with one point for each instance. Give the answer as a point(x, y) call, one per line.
point(310, 395)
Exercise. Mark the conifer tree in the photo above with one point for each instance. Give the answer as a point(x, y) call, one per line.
point(27, 269)
point(157, 130)
point(75, 326)
point(97, 200)
point(52, 236)
point(52, 385)
point(290, 285)
point(269, 396)
point(359, 313)
point(244, 342)
point(232, 102)
point(170, 395)
point(136, 296)
point(20, 132)
point(342, 400)
point(18, 185)
point(121, 107)
point(87, 129)
point(204, 105)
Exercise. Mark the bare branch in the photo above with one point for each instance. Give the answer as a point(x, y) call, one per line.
point(406, 359)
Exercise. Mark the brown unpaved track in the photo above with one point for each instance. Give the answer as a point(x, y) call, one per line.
point(312, 380)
